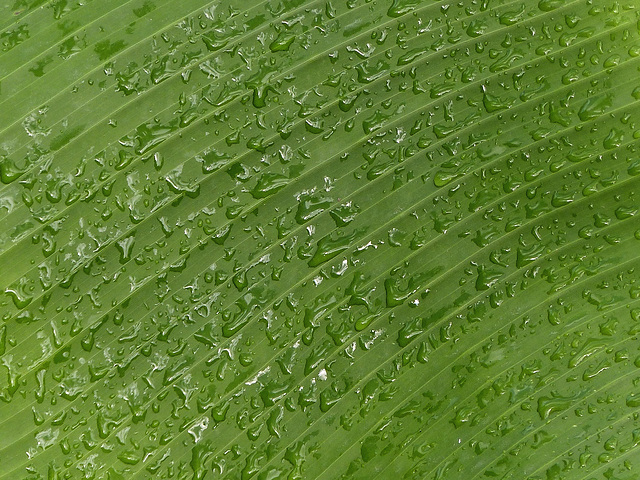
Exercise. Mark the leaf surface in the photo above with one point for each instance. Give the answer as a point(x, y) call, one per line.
point(319, 239)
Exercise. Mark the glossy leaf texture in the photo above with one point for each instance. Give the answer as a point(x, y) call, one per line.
point(287, 239)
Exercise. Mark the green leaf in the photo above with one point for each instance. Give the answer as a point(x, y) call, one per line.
point(301, 239)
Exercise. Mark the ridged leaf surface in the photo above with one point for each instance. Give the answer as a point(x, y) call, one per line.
point(287, 239)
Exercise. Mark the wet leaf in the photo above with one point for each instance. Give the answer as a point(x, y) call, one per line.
point(319, 239)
